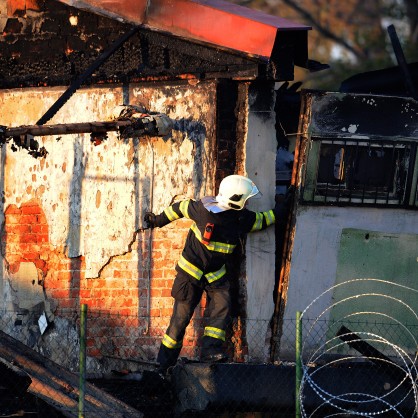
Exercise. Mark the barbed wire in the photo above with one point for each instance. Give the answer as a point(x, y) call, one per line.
point(351, 349)
point(337, 378)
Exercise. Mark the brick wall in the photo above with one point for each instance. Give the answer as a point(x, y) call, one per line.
point(25, 236)
point(121, 288)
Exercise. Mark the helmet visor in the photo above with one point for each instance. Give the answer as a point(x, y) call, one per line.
point(255, 193)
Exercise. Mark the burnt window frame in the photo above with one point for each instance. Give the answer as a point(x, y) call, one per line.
point(310, 194)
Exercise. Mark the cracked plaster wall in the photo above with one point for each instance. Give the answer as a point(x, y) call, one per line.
point(92, 200)
point(94, 197)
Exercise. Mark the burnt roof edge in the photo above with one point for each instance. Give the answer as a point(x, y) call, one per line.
point(215, 22)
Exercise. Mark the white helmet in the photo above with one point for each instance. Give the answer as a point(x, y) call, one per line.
point(235, 190)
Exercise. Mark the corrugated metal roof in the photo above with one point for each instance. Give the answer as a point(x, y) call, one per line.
point(214, 22)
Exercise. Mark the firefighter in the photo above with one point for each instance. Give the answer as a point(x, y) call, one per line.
point(219, 223)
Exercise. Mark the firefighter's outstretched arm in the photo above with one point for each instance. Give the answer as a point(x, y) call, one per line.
point(175, 211)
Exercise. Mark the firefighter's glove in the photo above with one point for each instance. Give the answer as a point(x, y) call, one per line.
point(149, 220)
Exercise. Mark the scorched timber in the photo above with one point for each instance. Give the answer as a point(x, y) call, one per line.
point(155, 125)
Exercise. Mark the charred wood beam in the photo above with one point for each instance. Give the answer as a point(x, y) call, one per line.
point(137, 127)
point(403, 65)
point(145, 124)
point(364, 348)
point(57, 386)
point(85, 75)
point(386, 365)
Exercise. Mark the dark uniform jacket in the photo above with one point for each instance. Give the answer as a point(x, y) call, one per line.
point(205, 258)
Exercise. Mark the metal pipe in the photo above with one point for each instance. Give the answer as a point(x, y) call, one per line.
point(150, 239)
point(298, 362)
point(82, 377)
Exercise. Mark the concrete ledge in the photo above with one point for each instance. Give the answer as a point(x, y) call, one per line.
point(233, 387)
point(266, 388)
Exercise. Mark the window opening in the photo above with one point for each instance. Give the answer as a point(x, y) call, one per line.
point(361, 172)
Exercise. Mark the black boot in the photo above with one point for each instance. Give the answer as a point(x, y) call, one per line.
point(167, 358)
point(212, 350)
point(214, 358)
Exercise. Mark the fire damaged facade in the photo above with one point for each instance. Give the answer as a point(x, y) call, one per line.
point(72, 230)
point(356, 171)
point(110, 110)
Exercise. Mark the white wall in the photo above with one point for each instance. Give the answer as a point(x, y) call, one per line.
point(260, 160)
point(315, 252)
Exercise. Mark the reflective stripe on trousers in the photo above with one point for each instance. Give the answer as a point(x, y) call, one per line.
point(215, 333)
point(195, 271)
point(218, 311)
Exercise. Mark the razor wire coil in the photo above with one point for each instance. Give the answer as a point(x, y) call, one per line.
point(400, 362)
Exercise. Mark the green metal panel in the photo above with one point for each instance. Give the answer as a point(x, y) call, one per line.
point(390, 259)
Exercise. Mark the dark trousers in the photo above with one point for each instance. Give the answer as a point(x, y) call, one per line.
point(187, 296)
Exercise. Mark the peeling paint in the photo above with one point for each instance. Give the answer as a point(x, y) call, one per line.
point(107, 188)
point(98, 198)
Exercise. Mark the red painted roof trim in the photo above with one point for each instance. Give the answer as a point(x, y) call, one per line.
point(216, 22)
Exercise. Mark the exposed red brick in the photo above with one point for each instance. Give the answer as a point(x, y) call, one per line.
point(155, 312)
point(12, 241)
point(166, 312)
point(59, 294)
point(64, 275)
point(156, 274)
point(28, 219)
point(12, 209)
point(162, 263)
point(122, 287)
point(160, 283)
point(125, 303)
point(39, 229)
point(25, 247)
point(30, 209)
point(30, 256)
point(17, 229)
point(13, 218)
point(67, 303)
point(41, 265)
point(166, 292)
point(125, 312)
point(41, 238)
point(14, 267)
point(156, 293)
point(161, 244)
point(29, 238)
